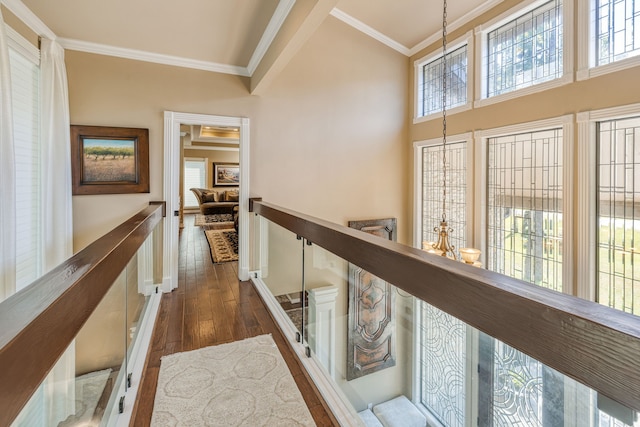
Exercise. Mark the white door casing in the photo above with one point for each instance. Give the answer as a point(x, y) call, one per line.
point(171, 192)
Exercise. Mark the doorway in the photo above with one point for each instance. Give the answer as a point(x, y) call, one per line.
point(172, 153)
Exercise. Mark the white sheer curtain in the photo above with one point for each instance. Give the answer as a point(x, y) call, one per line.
point(56, 220)
point(7, 175)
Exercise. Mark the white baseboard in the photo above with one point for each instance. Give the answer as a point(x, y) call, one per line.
point(333, 396)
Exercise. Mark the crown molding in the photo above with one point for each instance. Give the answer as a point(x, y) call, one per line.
point(467, 17)
point(156, 58)
point(280, 14)
point(362, 27)
point(23, 13)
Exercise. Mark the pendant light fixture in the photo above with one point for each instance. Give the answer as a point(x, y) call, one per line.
point(443, 246)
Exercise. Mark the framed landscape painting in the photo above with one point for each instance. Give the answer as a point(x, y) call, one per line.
point(226, 174)
point(109, 160)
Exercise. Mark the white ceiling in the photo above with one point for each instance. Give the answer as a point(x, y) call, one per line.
point(228, 35)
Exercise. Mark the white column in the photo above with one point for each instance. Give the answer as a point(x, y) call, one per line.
point(322, 325)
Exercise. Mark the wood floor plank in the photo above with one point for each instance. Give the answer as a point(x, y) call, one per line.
point(211, 306)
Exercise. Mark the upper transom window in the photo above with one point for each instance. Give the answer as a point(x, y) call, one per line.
point(525, 51)
point(617, 30)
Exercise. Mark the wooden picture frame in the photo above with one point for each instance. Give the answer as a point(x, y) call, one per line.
point(226, 174)
point(109, 160)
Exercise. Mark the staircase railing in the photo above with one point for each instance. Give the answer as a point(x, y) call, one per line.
point(596, 345)
point(40, 321)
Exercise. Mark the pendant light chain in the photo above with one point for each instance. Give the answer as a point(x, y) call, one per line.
point(444, 111)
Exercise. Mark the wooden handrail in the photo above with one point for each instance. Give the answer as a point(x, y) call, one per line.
point(591, 343)
point(40, 321)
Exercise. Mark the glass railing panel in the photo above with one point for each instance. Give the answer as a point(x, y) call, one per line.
point(83, 387)
point(451, 373)
point(140, 286)
point(360, 329)
point(282, 270)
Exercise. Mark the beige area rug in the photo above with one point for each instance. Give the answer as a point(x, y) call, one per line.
point(223, 245)
point(243, 383)
point(214, 222)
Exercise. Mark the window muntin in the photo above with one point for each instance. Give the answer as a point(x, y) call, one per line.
point(430, 82)
point(617, 26)
point(524, 224)
point(525, 51)
point(618, 233)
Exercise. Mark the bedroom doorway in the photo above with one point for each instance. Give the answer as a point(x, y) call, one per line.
point(172, 190)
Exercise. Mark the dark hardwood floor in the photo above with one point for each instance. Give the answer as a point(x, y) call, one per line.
point(209, 307)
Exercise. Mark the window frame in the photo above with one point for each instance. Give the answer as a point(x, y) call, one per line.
point(482, 137)
point(466, 39)
point(418, 171)
point(204, 160)
point(586, 34)
point(481, 34)
point(586, 161)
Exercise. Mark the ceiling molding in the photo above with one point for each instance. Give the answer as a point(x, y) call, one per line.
point(364, 28)
point(23, 13)
point(209, 148)
point(467, 17)
point(157, 58)
point(315, 17)
point(275, 23)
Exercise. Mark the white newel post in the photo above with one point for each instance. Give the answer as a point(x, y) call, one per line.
point(322, 325)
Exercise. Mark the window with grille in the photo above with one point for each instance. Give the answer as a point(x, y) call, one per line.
point(443, 338)
point(456, 191)
point(524, 213)
point(524, 240)
point(430, 81)
point(618, 224)
point(194, 177)
point(526, 51)
point(617, 26)
point(25, 97)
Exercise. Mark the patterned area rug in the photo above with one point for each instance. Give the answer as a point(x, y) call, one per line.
point(243, 383)
point(223, 245)
point(215, 221)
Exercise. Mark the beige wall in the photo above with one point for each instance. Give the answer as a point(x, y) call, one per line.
point(326, 139)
